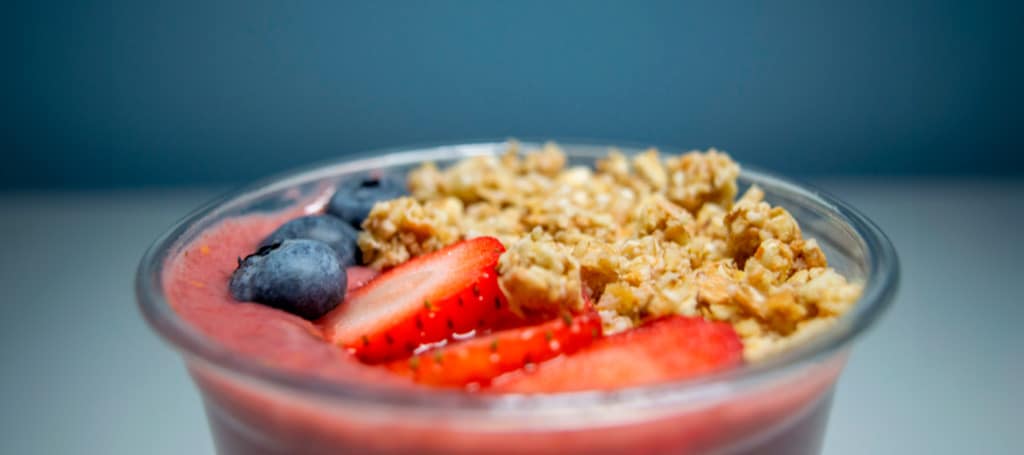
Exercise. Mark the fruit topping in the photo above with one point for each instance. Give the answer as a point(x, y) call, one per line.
point(329, 229)
point(302, 277)
point(358, 276)
point(666, 349)
point(480, 359)
point(431, 298)
point(355, 197)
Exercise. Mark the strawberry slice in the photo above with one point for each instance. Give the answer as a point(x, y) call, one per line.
point(480, 359)
point(425, 300)
point(666, 349)
point(358, 276)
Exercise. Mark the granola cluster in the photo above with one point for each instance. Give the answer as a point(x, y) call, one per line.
point(404, 228)
point(640, 236)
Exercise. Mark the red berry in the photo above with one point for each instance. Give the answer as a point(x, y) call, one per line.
point(358, 276)
point(480, 359)
point(667, 349)
point(428, 299)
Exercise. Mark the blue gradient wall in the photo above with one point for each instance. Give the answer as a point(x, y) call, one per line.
point(143, 92)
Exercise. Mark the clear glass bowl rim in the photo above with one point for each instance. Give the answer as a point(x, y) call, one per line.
point(880, 287)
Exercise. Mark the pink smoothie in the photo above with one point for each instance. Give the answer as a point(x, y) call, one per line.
point(785, 415)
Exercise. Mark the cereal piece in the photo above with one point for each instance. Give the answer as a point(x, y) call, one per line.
point(711, 221)
point(703, 250)
point(425, 182)
point(753, 195)
point(770, 265)
point(577, 176)
point(482, 219)
point(758, 347)
point(697, 178)
point(539, 276)
point(783, 311)
point(649, 169)
point(548, 161)
point(808, 254)
point(826, 290)
point(569, 208)
point(659, 217)
point(747, 328)
point(750, 223)
point(402, 228)
point(477, 178)
point(644, 279)
point(625, 300)
point(599, 262)
point(615, 165)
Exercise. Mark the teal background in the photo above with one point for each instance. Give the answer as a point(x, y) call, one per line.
point(143, 93)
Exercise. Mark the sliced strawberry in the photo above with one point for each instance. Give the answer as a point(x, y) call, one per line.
point(479, 359)
point(667, 349)
point(425, 300)
point(508, 319)
point(359, 276)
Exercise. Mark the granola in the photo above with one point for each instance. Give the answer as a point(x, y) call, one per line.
point(540, 276)
point(400, 229)
point(640, 236)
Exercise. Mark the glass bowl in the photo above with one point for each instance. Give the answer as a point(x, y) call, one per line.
point(778, 405)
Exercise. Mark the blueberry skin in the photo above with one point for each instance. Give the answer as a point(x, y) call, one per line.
point(355, 197)
point(302, 277)
point(329, 229)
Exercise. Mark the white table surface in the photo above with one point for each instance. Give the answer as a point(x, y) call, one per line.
point(82, 373)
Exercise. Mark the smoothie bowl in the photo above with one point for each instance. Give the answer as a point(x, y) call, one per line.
point(519, 298)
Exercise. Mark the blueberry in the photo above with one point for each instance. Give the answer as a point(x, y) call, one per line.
point(302, 277)
point(355, 197)
point(337, 234)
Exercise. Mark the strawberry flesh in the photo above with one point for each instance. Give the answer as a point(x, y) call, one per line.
point(427, 299)
point(480, 359)
point(666, 349)
point(358, 276)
